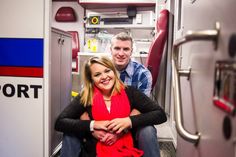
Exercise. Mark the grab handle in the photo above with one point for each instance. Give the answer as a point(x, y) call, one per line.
point(210, 35)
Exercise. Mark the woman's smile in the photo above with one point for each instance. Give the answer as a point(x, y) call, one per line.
point(106, 81)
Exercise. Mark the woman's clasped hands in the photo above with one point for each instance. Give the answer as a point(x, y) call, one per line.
point(109, 132)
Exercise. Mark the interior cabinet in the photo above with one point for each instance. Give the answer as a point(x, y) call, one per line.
point(117, 3)
point(61, 78)
point(64, 0)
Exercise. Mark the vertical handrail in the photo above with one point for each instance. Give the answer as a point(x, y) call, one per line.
point(209, 35)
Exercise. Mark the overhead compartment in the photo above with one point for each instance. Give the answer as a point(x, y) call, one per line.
point(117, 3)
point(124, 17)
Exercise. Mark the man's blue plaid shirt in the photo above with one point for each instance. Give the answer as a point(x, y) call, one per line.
point(138, 76)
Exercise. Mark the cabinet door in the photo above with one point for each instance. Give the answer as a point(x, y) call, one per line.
point(117, 1)
point(113, 4)
point(55, 87)
point(61, 79)
point(66, 71)
point(217, 128)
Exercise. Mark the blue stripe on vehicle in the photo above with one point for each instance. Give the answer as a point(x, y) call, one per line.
point(21, 52)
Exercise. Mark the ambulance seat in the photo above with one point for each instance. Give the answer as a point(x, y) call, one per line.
point(75, 48)
point(156, 50)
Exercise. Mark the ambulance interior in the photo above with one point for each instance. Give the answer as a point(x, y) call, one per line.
point(93, 25)
point(188, 45)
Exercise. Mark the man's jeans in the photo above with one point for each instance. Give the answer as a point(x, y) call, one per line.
point(146, 136)
point(147, 141)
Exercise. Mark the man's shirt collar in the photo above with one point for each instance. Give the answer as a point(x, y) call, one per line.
point(129, 70)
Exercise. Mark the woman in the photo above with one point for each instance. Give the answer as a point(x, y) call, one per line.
point(108, 103)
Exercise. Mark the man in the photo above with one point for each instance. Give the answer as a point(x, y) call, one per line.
point(133, 74)
point(136, 75)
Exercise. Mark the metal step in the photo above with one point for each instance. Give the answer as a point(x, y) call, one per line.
point(167, 149)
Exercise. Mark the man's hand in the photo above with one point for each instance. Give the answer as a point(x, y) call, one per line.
point(119, 124)
point(101, 125)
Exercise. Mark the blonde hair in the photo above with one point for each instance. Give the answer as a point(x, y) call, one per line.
point(87, 92)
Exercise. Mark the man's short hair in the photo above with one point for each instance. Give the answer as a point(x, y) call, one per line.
point(123, 36)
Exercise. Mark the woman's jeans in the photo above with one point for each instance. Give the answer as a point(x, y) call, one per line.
point(146, 138)
point(71, 146)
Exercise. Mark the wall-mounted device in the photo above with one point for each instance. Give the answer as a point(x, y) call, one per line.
point(121, 17)
point(225, 86)
point(94, 20)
